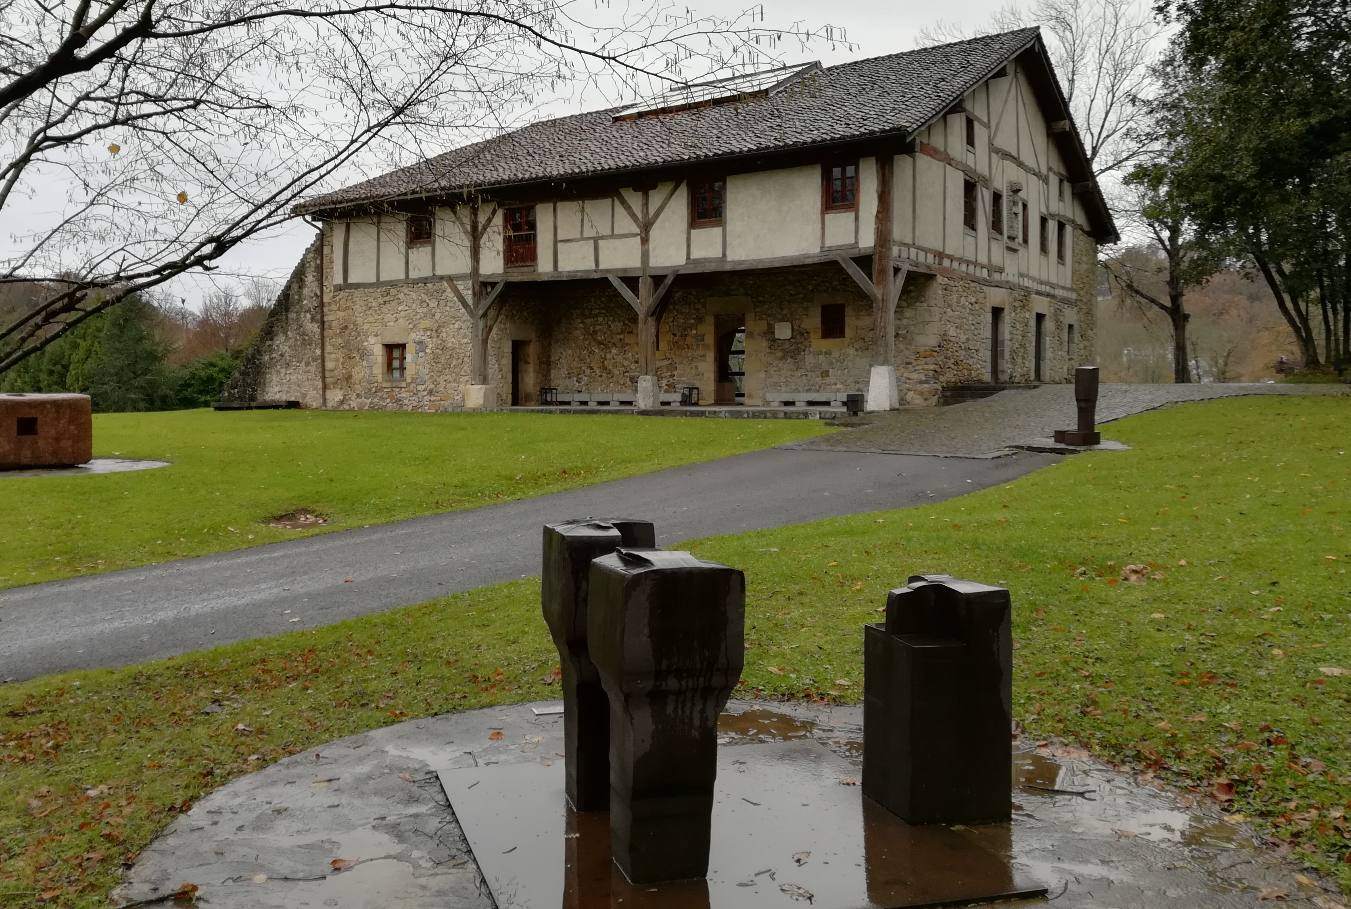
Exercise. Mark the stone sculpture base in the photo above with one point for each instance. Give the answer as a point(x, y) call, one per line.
point(882, 391)
point(788, 829)
point(1077, 437)
point(480, 397)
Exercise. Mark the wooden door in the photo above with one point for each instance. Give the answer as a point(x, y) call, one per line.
point(729, 352)
point(996, 344)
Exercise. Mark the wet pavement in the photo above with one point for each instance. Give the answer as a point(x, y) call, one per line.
point(365, 822)
point(989, 427)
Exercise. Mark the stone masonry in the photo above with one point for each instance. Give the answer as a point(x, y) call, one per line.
point(580, 336)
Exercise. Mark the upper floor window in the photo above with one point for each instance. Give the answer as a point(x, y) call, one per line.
point(970, 202)
point(839, 186)
point(518, 236)
point(832, 320)
point(970, 132)
point(1060, 188)
point(419, 230)
point(1045, 235)
point(1022, 206)
point(997, 213)
point(1060, 240)
point(396, 358)
point(706, 203)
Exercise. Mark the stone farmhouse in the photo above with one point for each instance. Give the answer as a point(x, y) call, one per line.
point(889, 226)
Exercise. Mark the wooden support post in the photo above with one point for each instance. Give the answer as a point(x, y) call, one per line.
point(648, 301)
point(483, 305)
point(884, 304)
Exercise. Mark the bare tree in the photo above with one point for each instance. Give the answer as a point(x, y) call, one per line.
point(1103, 51)
point(162, 134)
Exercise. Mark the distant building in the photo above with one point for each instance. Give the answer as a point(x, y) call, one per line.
point(887, 226)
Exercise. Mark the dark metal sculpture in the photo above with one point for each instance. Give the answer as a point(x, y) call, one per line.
point(667, 633)
point(569, 548)
point(938, 703)
point(1086, 401)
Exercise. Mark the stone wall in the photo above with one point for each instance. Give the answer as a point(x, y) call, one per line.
point(582, 336)
point(284, 362)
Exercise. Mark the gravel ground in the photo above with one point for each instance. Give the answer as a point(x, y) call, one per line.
point(1019, 416)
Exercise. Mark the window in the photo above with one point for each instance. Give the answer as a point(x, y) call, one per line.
point(969, 204)
point(706, 202)
point(419, 230)
point(997, 213)
point(1060, 241)
point(970, 133)
point(1023, 236)
point(1038, 346)
point(1069, 345)
point(839, 187)
point(832, 320)
point(396, 357)
point(518, 227)
point(1060, 188)
point(1045, 228)
point(26, 426)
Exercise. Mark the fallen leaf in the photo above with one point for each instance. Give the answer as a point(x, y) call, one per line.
point(797, 892)
point(800, 858)
point(113, 148)
point(1332, 670)
point(777, 670)
point(496, 735)
point(848, 781)
point(341, 864)
point(1223, 790)
point(182, 198)
point(1273, 893)
point(187, 893)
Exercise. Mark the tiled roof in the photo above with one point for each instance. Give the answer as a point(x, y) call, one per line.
point(897, 93)
point(892, 95)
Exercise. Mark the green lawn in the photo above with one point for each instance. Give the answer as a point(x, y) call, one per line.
point(1225, 671)
point(231, 472)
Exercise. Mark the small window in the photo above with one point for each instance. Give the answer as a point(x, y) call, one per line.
point(706, 203)
point(1045, 235)
point(1023, 236)
point(1060, 240)
point(26, 426)
point(997, 213)
point(832, 320)
point(1069, 345)
point(396, 357)
point(839, 186)
point(518, 225)
point(419, 230)
point(969, 204)
point(1060, 188)
point(970, 133)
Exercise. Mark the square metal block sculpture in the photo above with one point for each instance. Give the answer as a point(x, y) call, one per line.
point(667, 633)
point(45, 430)
point(1086, 403)
point(938, 703)
point(569, 548)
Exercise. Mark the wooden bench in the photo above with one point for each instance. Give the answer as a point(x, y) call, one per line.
point(598, 398)
point(805, 398)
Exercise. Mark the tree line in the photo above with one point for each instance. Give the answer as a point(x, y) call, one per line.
point(146, 353)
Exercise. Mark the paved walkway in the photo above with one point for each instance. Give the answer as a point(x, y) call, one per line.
point(1092, 836)
point(1018, 416)
point(145, 613)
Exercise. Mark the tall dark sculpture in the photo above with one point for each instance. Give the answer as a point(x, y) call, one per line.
point(667, 634)
point(1086, 401)
point(938, 703)
point(569, 548)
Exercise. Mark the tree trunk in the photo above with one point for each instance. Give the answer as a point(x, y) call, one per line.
point(1308, 347)
point(1182, 373)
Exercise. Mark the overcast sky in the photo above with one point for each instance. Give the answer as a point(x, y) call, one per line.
point(871, 27)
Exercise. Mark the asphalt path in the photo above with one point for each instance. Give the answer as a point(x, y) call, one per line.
point(145, 613)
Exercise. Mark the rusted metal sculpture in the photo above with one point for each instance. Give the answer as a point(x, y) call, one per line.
point(666, 633)
point(938, 703)
point(569, 548)
point(1086, 401)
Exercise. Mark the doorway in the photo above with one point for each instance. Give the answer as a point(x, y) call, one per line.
point(729, 352)
point(1038, 347)
point(521, 373)
point(996, 344)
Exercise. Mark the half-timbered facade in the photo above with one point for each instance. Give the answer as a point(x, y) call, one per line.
point(887, 226)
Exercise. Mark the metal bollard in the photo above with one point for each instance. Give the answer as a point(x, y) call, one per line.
point(938, 703)
point(1086, 403)
point(569, 548)
point(667, 634)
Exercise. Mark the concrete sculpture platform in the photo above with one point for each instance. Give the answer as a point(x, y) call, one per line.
point(89, 468)
point(363, 823)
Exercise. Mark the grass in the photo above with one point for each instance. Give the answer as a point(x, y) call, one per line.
point(1221, 671)
point(232, 472)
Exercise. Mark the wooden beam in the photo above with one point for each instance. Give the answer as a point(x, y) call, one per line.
point(629, 296)
point(459, 296)
point(628, 210)
point(863, 281)
point(491, 298)
point(485, 223)
point(661, 290)
point(661, 207)
point(898, 283)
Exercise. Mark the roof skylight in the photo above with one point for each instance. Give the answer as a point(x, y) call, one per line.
point(719, 91)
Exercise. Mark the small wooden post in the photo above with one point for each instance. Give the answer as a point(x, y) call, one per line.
point(884, 302)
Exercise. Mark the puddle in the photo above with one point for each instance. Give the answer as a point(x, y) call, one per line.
point(1092, 805)
point(761, 725)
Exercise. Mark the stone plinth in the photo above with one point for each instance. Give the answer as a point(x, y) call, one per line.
point(569, 549)
point(938, 703)
point(45, 430)
point(667, 636)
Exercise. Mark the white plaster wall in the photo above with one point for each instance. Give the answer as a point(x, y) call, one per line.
point(668, 234)
point(706, 243)
point(598, 218)
point(338, 232)
point(544, 237)
point(576, 255)
point(929, 205)
point(361, 251)
point(619, 252)
point(774, 213)
point(420, 261)
point(391, 248)
point(490, 256)
point(839, 228)
point(452, 245)
point(867, 201)
point(570, 220)
point(904, 197)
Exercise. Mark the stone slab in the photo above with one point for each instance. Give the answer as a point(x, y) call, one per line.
point(1094, 834)
point(786, 825)
point(89, 468)
point(1051, 446)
